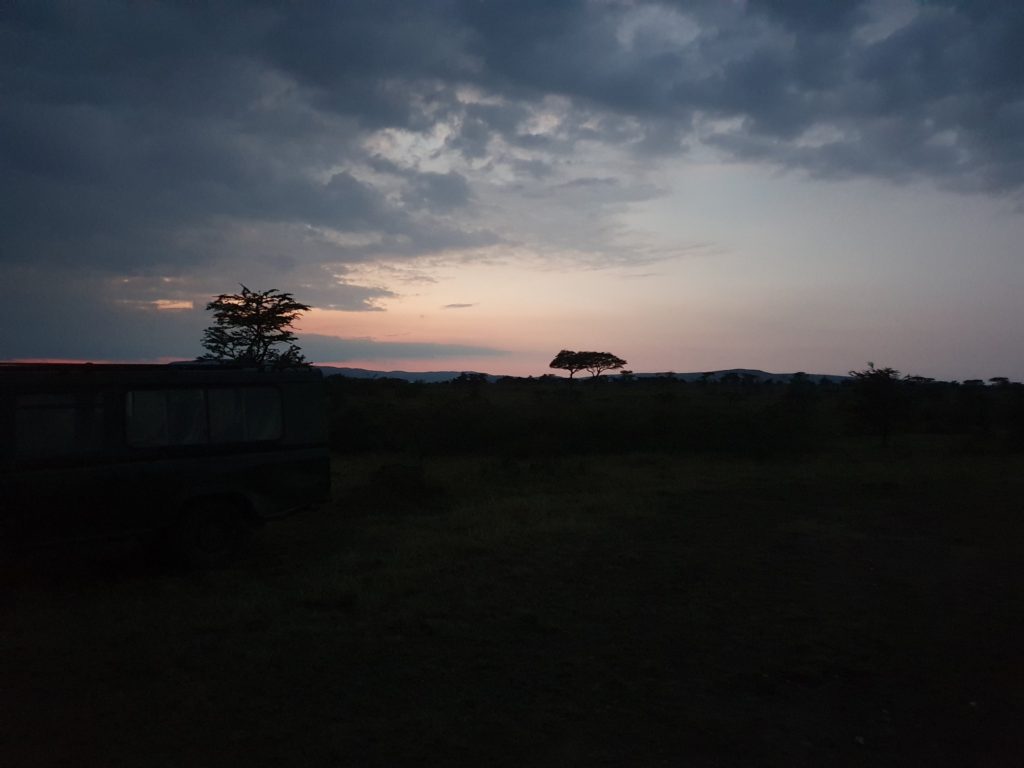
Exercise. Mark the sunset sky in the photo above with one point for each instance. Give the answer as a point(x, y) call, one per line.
point(476, 185)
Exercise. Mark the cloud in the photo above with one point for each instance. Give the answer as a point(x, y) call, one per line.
point(943, 75)
point(285, 146)
point(84, 316)
point(319, 347)
point(264, 116)
point(80, 320)
point(458, 306)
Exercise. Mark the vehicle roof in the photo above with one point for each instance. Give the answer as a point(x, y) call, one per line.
point(50, 374)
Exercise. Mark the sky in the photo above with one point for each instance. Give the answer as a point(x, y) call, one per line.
point(475, 185)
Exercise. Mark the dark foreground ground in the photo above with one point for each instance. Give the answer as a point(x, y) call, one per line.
point(857, 608)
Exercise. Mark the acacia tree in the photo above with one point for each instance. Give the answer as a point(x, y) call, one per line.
point(594, 363)
point(249, 327)
point(597, 363)
point(567, 360)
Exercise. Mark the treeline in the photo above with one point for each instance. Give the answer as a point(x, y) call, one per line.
point(734, 414)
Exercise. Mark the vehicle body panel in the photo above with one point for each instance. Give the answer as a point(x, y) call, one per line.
point(97, 450)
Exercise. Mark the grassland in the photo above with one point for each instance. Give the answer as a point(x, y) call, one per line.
point(854, 605)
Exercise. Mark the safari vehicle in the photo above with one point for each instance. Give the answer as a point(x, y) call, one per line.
point(190, 454)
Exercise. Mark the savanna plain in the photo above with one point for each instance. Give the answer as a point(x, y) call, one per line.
point(543, 574)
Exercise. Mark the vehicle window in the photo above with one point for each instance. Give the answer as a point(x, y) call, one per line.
point(262, 413)
point(186, 416)
point(244, 414)
point(49, 426)
point(227, 416)
point(162, 417)
point(147, 418)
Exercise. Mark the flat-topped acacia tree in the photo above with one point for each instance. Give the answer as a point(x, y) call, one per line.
point(249, 328)
point(594, 363)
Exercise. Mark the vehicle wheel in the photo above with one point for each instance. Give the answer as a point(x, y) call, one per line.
point(209, 532)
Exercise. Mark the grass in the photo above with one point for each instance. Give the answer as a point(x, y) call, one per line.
point(853, 608)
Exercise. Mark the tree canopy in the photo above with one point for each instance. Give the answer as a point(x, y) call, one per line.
point(878, 391)
point(594, 363)
point(251, 328)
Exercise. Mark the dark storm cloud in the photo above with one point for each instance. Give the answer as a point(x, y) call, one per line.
point(241, 140)
point(141, 121)
point(81, 316)
point(430, 190)
point(480, 121)
point(812, 16)
point(127, 123)
point(950, 79)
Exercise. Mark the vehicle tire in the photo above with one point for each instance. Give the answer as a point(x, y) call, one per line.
point(209, 532)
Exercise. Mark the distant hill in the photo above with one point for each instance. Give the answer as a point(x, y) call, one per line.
point(431, 377)
point(741, 372)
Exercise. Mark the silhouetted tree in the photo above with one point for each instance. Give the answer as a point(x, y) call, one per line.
point(567, 360)
point(248, 328)
point(594, 363)
point(878, 396)
point(471, 382)
point(974, 401)
point(800, 390)
point(597, 363)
